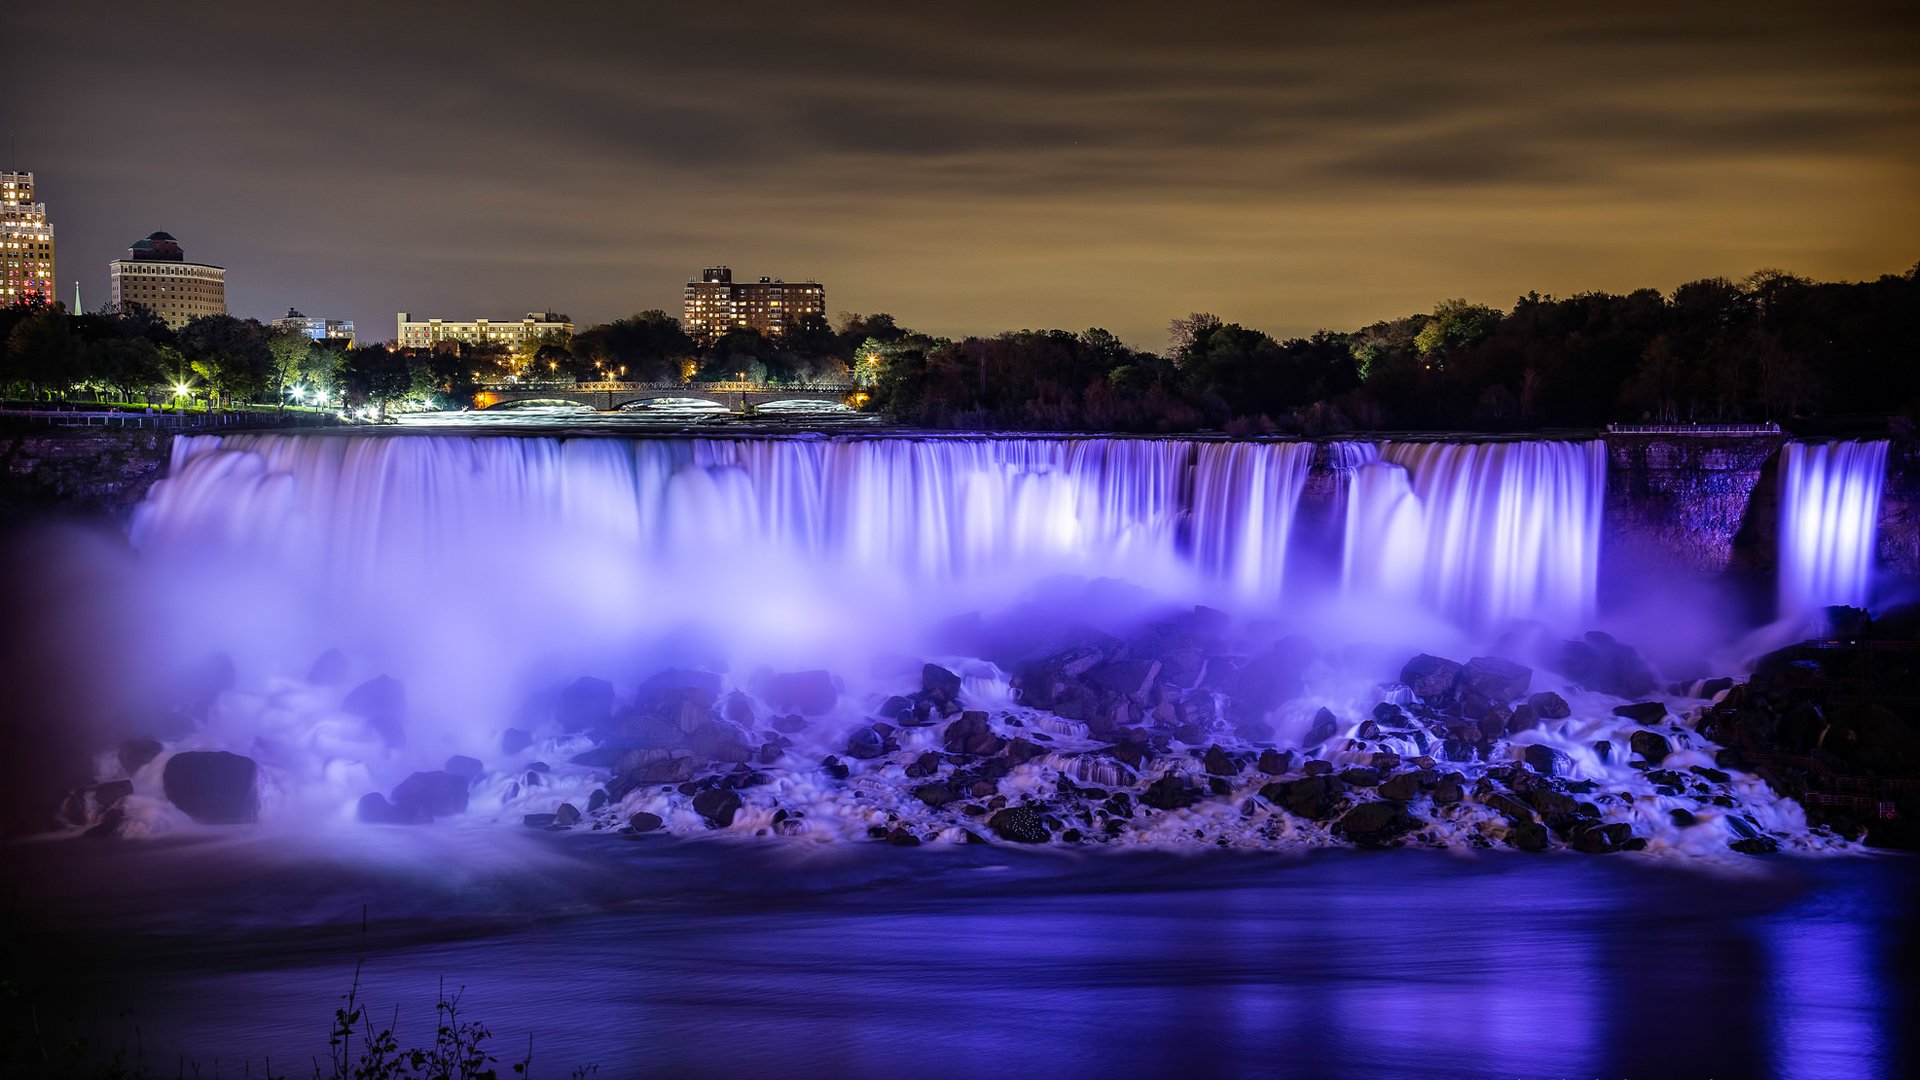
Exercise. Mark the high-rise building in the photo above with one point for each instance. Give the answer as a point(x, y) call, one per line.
point(316, 328)
point(716, 304)
point(426, 333)
point(157, 276)
point(26, 243)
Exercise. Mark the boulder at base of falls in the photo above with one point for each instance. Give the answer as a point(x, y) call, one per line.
point(644, 822)
point(1650, 745)
point(1375, 823)
point(1020, 824)
point(213, 787)
point(585, 704)
point(382, 702)
point(1642, 712)
point(939, 685)
point(1550, 706)
point(434, 794)
point(1495, 679)
point(1598, 662)
point(1430, 677)
point(809, 693)
point(717, 806)
point(374, 809)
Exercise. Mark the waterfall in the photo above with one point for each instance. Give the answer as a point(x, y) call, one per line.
point(1480, 532)
point(1829, 508)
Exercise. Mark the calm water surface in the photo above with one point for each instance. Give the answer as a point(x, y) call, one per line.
point(676, 958)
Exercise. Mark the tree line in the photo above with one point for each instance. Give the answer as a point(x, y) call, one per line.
point(1771, 346)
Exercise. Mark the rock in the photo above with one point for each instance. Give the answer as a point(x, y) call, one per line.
point(1650, 745)
point(1494, 678)
point(1360, 776)
point(1598, 662)
point(1547, 761)
point(435, 794)
point(720, 740)
point(597, 799)
point(382, 702)
point(1682, 819)
point(1325, 726)
point(1430, 677)
point(136, 753)
point(790, 724)
point(939, 685)
point(971, 734)
point(934, 795)
point(1642, 712)
point(1388, 713)
point(1130, 677)
point(329, 669)
point(1508, 806)
point(1375, 823)
point(866, 743)
point(464, 767)
point(566, 814)
point(537, 821)
point(513, 740)
point(1020, 824)
point(1275, 762)
point(374, 809)
point(1550, 706)
point(1170, 792)
point(1756, 845)
point(213, 787)
point(1603, 749)
point(585, 705)
point(1448, 790)
point(1528, 836)
point(1218, 762)
point(717, 806)
point(1314, 798)
point(1601, 839)
point(643, 822)
point(809, 693)
point(1401, 788)
point(656, 765)
point(1522, 718)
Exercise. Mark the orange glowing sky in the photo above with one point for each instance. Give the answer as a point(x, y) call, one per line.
point(974, 167)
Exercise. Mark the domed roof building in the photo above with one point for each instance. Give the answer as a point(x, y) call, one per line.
point(157, 276)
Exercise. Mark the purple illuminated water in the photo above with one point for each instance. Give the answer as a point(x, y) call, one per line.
point(1829, 506)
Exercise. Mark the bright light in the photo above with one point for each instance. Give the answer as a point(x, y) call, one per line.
point(181, 389)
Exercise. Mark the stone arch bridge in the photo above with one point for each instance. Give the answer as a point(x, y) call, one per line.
point(739, 397)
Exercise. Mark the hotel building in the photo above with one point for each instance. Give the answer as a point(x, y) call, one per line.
point(426, 333)
point(317, 329)
point(157, 276)
point(716, 304)
point(26, 243)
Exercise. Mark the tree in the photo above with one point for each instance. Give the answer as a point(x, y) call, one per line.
point(230, 356)
point(1455, 325)
point(1183, 333)
point(287, 350)
point(374, 375)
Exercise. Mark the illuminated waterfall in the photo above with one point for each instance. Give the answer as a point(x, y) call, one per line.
point(1829, 506)
point(1480, 532)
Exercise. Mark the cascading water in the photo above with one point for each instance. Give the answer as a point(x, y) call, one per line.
point(1481, 532)
point(1829, 508)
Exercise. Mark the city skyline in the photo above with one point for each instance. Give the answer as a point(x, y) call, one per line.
point(1295, 170)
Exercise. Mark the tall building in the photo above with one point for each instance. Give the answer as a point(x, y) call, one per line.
point(716, 304)
point(26, 243)
point(316, 328)
point(426, 333)
point(157, 276)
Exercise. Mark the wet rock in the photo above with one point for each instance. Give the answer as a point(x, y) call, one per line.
point(537, 821)
point(1508, 806)
point(1494, 678)
point(809, 693)
point(1020, 824)
point(1528, 836)
point(514, 740)
point(1314, 798)
point(1130, 677)
point(1547, 761)
point(1756, 845)
point(926, 764)
point(1325, 726)
point(939, 685)
point(656, 765)
point(329, 669)
point(585, 704)
point(934, 795)
point(1522, 718)
point(135, 753)
point(1459, 750)
point(213, 787)
point(1550, 706)
point(1388, 713)
point(1642, 712)
point(1170, 792)
point(566, 815)
point(1601, 839)
point(1603, 749)
point(1376, 823)
point(720, 740)
point(866, 743)
point(790, 724)
point(382, 702)
point(971, 734)
point(1275, 762)
point(1360, 776)
point(1448, 790)
point(1712, 776)
point(436, 794)
point(1401, 788)
point(1650, 745)
point(1430, 677)
point(717, 806)
point(1598, 662)
point(1218, 762)
point(464, 767)
point(597, 799)
point(1682, 818)
point(374, 809)
point(644, 822)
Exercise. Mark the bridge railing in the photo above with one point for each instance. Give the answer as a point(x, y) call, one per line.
point(1694, 429)
point(669, 387)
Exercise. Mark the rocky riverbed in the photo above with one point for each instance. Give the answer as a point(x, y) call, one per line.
point(1190, 733)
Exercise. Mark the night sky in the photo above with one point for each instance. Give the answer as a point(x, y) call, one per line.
point(971, 168)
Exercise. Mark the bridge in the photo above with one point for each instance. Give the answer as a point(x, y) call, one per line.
point(739, 397)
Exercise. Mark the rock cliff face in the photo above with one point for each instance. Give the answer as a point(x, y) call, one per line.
point(1689, 504)
point(67, 473)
